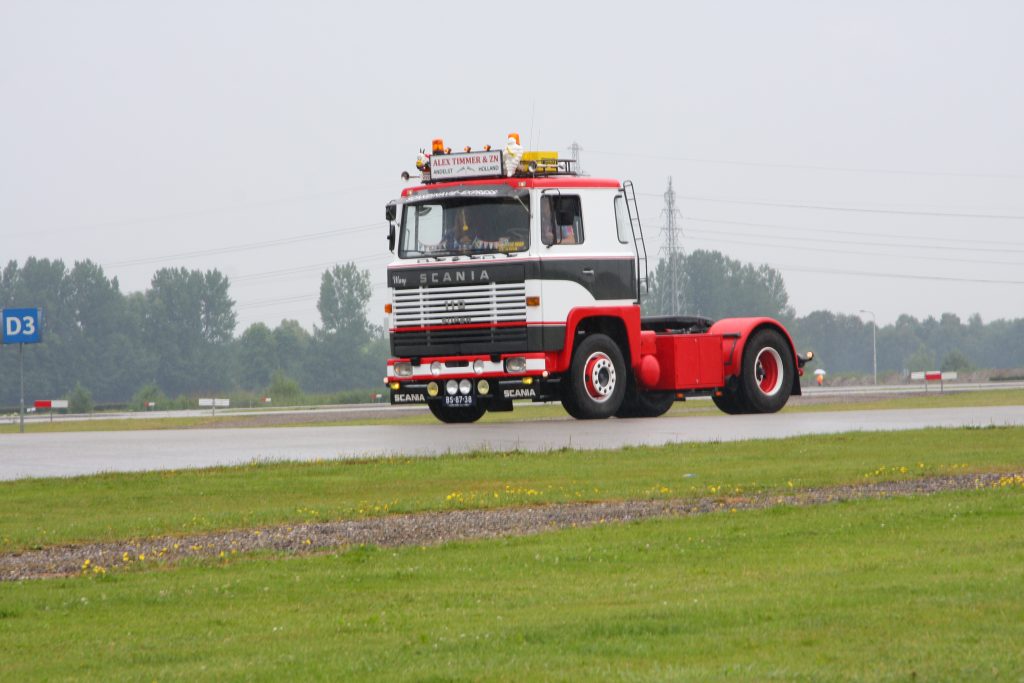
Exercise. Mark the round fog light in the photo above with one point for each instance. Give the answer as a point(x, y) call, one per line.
point(452, 387)
point(435, 368)
point(483, 387)
point(478, 367)
point(433, 390)
point(465, 386)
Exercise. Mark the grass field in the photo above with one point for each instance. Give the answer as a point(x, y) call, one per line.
point(902, 589)
point(545, 412)
point(42, 512)
point(921, 588)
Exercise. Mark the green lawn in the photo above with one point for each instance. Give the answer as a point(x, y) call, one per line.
point(98, 423)
point(40, 512)
point(924, 589)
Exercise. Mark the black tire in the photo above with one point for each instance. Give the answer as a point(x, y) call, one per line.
point(767, 373)
point(459, 415)
point(728, 403)
point(596, 383)
point(567, 402)
point(639, 403)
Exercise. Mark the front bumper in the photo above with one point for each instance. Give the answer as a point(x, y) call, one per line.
point(497, 391)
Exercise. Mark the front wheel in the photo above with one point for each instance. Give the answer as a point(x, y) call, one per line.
point(596, 382)
point(768, 372)
point(462, 414)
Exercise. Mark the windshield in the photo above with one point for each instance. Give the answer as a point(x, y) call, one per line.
point(455, 227)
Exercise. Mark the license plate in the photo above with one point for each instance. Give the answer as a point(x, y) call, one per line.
point(460, 400)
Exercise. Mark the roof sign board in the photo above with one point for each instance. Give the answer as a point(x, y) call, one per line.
point(466, 165)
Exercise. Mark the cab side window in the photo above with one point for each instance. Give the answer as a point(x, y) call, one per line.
point(561, 219)
point(623, 226)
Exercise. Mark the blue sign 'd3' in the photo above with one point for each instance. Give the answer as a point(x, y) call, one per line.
point(22, 326)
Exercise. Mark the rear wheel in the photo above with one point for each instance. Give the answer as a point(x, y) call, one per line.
point(766, 380)
point(596, 382)
point(729, 403)
point(458, 415)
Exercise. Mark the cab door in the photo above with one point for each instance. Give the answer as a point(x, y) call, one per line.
point(568, 276)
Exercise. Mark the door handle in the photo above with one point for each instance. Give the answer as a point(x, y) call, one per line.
point(588, 273)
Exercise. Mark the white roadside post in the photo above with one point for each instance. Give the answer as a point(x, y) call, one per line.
point(874, 343)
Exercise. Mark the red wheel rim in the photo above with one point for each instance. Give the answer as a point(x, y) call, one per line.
point(599, 377)
point(768, 371)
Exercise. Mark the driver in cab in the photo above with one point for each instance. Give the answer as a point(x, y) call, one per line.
point(556, 223)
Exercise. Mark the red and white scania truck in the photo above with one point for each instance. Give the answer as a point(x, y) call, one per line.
point(518, 278)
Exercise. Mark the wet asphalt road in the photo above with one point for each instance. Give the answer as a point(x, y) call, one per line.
point(66, 454)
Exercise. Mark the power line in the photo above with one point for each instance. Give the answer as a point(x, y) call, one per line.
point(269, 274)
point(242, 247)
point(849, 232)
point(822, 207)
point(900, 276)
point(672, 246)
point(861, 243)
point(201, 212)
point(914, 257)
point(811, 167)
point(575, 148)
point(262, 303)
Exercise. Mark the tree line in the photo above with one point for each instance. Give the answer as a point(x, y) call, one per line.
point(177, 338)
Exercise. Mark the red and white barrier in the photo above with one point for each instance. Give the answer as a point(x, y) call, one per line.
point(933, 376)
point(53, 404)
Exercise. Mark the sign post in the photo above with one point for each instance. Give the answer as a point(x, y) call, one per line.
point(214, 403)
point(22, 326)
point(21, 371)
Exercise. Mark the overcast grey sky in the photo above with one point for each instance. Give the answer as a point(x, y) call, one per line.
point(264, 138)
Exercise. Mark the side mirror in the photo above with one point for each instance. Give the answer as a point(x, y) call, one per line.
point(390, 212)
point(391, 237)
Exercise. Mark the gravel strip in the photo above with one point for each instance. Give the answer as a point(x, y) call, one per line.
point(432, 528)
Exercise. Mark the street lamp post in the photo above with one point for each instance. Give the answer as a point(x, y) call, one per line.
point(874, 343)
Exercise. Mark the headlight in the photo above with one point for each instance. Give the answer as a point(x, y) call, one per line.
point(435, 368)
point(483, 387)
point(451, 387)
point(433, 390)
point(478, 367)
point(515, 365)
point(465, 386)
point(403, 369)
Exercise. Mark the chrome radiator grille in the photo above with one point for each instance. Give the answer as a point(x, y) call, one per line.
point(469, 305)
